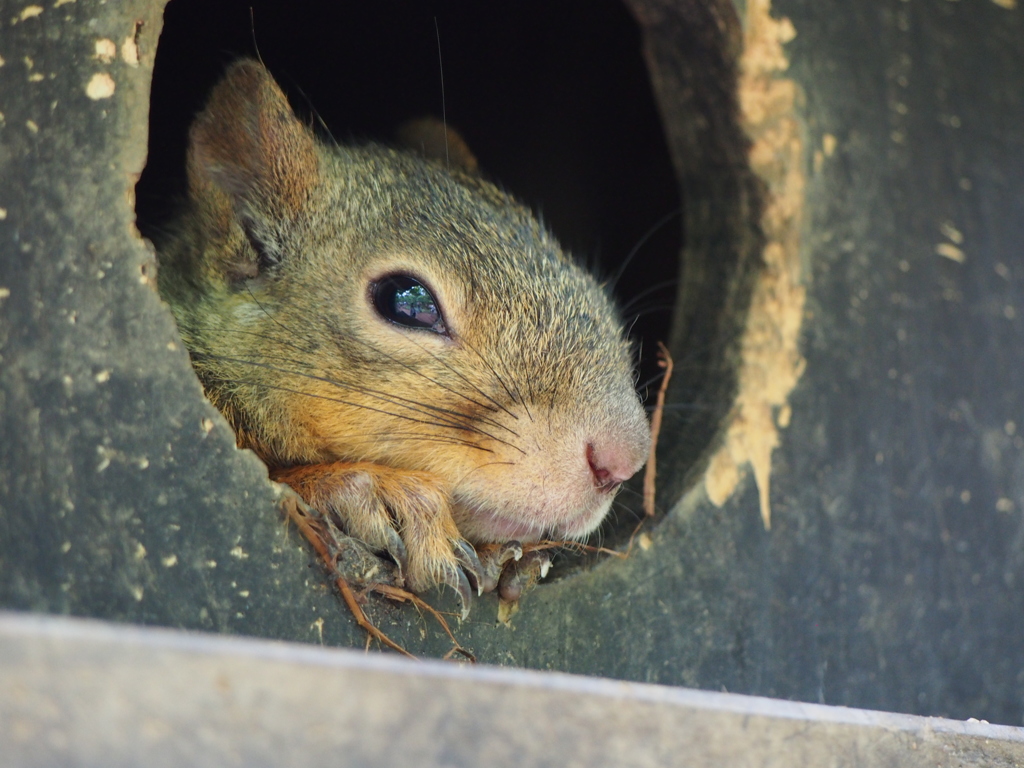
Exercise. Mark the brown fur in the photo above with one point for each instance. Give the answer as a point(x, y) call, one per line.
point(482, 434)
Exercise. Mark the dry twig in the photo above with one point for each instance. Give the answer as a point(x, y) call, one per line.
point(310, 529)
point(664, 361)
point(402, 595)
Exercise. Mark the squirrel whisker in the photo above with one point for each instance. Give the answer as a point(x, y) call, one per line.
point(651, 310)
point(477, 468)
point(432, 381)
point(270, 317)
point(626, 489)
point(416, 406)
point(476, 388)
point(551, 402)
point(392, 400)
point(396, 400)
point(624, 309)
point(289, 390)
point(406, 437)
point(517, 396)
point(284, 342)
point(640, 244)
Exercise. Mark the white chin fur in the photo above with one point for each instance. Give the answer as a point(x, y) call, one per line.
point(482, 526)
point(584, 524)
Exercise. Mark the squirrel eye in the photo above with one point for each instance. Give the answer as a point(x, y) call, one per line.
point(404, 300)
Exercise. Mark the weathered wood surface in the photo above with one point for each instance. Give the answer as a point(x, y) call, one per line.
point(891, 576)
point(81, 693)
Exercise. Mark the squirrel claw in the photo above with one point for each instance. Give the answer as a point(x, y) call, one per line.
point(510, 550)
point(494, 559)
point(396, 548)
point(523, 574)
point(470, 563)
point(456, 579)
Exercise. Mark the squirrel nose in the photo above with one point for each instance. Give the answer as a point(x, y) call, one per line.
point(609, 466)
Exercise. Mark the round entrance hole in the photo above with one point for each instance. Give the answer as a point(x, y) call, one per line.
point(556, 103)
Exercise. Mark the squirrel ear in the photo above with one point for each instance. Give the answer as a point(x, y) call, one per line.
point(249, 144)
point(427, 136)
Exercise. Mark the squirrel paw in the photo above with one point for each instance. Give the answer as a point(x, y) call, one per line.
point(510, 570)
point(404, 513)
point(520, 575)
point(494, 559)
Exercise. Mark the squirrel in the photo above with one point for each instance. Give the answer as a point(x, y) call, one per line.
point(398, 339)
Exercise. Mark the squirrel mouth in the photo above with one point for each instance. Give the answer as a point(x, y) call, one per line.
point(482, 525)
point(490, 527)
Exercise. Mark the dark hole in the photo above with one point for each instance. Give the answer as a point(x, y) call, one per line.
point(553, 98)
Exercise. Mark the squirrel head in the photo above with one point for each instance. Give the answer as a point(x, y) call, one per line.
point(363, 304)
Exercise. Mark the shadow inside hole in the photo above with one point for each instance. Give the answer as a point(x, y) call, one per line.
point(554, 100)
